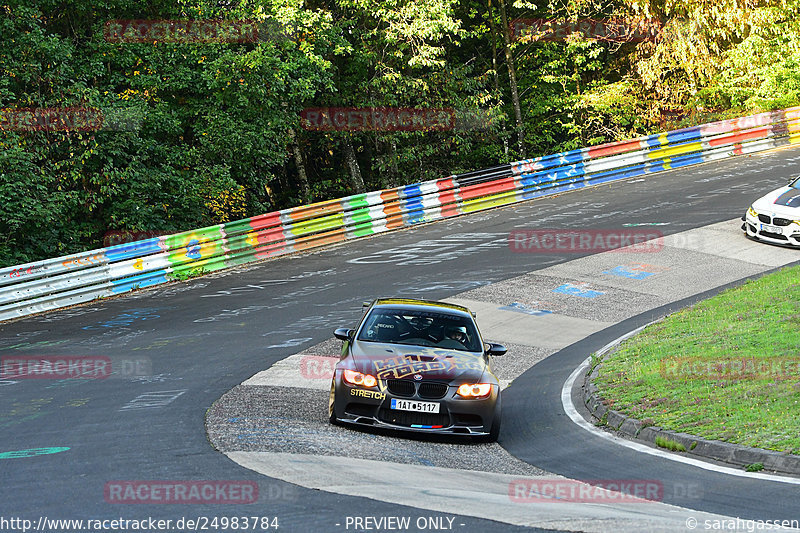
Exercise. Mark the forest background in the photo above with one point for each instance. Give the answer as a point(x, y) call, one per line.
point(109, 125)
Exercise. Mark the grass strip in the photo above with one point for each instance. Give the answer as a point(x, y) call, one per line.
point(727, 368)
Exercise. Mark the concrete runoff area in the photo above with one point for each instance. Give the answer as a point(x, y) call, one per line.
point(471, 493)
point(539, 313)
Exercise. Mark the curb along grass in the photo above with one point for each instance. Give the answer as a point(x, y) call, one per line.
point(725, 369)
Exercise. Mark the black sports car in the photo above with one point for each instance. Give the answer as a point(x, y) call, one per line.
point(415, 365)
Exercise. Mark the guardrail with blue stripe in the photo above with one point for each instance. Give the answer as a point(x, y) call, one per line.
point(64, 281)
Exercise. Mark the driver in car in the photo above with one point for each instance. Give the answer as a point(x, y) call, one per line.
point(457, 333)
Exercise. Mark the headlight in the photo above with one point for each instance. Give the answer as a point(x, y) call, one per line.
point(752, 212)
point(474, 390)
point(357, 378)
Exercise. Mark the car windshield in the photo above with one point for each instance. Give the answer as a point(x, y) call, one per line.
point(795, 183)
point(421, 328)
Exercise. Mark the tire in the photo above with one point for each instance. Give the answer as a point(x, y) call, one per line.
point(331, 405)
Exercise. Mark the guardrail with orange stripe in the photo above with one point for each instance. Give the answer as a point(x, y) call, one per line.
point(77, 278)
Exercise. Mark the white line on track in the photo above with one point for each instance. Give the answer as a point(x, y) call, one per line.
point(572, 412)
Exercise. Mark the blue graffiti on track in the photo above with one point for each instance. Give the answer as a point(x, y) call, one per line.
point(522, 308)
point(128, 318)
point(624, 272)
point(635, 271)
point(578, 289)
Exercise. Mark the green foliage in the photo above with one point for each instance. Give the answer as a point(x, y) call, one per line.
point(762, 72)
point(680, 373)
point(208, 122)
point(186, 274)
point(198, 133)
point(670, 444)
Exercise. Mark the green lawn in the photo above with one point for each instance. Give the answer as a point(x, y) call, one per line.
point(726, 369)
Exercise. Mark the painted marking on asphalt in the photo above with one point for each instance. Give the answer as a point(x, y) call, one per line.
point(578, 289)
point(230, 313)
point(522, 308)
point(572, 412)
point(635, 270)
point(624, 272)
point(31, 452)
point(150, 400)
point(291, 343)
point(431, 252)
point(128, 318)
point(61, 315)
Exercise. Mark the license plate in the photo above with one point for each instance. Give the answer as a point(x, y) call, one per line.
point(772, 229)
point(419, 407)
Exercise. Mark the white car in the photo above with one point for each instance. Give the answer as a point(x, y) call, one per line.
point(775, 218)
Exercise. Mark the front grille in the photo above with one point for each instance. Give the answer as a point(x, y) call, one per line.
point(409, 419)
point(401, 387)
point(781, 221)
point(432, 390)
point(766, 219)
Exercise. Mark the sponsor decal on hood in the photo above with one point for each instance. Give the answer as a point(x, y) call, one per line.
point(411, 364)
point(428, 364)
point(790, 198)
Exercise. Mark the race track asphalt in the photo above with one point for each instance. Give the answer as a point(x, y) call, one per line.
point(180, 347)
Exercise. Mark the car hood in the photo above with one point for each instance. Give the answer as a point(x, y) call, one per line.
point(783, 202)
point(397, 361)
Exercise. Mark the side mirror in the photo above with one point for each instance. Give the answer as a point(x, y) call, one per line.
point(495, 349)
point(343, 334)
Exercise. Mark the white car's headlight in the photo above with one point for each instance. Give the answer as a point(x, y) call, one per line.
point(752, 212)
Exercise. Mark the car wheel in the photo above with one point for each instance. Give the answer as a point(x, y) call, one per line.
point(331, 406)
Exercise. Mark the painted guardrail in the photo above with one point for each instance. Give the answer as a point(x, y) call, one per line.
point(77, 278)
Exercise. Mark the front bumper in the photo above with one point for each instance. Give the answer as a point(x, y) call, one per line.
point(789, 235)
point(456, 416)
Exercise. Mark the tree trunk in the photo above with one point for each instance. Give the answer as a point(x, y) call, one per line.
point(395, 173)
point(302, 177)
point(512, 75)
point(356, 180)
point(498, 94)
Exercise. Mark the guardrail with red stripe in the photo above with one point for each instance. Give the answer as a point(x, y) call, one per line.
point(69, 280)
